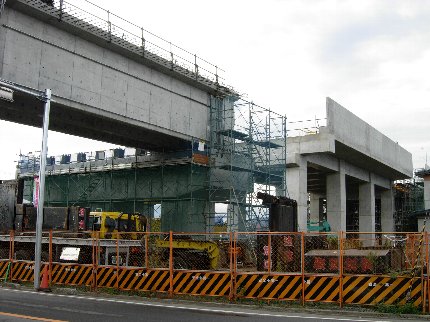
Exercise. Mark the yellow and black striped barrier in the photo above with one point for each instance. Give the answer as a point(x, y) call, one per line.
point(144, 280)
point(202, 283)
point(106, 276)
point(3, 268)
point(133, 279)
point(372, 290)
point(282, 287)
point(322, 288)
point(357, 289)
point(24, 271)
point(70, 274)
point(418, 262)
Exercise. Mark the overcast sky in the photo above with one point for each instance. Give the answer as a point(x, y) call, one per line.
point(372, 57)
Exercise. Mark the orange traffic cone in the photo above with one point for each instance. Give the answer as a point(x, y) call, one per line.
point(45, 281)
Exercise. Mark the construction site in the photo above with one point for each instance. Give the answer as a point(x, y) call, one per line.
point(207, 193)
point(190, 190)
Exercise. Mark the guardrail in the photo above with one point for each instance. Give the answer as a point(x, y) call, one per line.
point(306, 127)
point(337, 267)
point(103, 23)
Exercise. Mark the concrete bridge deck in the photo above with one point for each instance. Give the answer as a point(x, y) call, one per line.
point(104, 87)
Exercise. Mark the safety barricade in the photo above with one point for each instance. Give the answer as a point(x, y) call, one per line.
point(322, 288)
point(141, 267)
point(71, 274)
point(201, 264)
point(135, 279)
point(343, 268)
point(265, 286)
point(107, 276)
point(23, 271)
point(4, 269)
point(322, 267)
point(373, 290)
point(202, 283)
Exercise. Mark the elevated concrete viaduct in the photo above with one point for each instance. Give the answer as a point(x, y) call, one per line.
point(104, 86)
point(112, 86)
point(347, 169)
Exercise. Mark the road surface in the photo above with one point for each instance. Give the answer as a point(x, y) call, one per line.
point(24, 305)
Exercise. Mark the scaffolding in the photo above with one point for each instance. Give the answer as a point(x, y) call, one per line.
point(214, 183)
point(172, 184)
point(248, 155)
point(408, 198)
point(210, 187)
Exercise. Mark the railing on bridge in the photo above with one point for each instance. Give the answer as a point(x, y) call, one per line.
point(92, 18)
point(343, 268)
point(305, 127)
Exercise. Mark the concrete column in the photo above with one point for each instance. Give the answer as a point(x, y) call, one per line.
point(387, 211)
point(426, 192)
point(183, 216)
point(336, 199)
point(314, 207)
point(297, 186)
point(367, 211)
point(236, 217)
point(210, 216)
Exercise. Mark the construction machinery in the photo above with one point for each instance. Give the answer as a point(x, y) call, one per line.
point(79, 236)
point(284, 248)
point(84, 236)
point(192, 254)
point(319, 226)
point(112, 224)
point(116, 238)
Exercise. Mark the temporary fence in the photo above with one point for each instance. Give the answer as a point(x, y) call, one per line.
point(337, 267)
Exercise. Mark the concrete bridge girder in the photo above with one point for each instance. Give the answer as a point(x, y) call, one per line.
point(96, 90)
point(108, 89)
point(334, 165)
point(347, 182)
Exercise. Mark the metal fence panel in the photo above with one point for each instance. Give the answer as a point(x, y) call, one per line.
point(322, 288)
point(322, 253)
point(348, 268)
point(383, 253)
point(265, 286)
point(202, 283)
point(192, 251)
point(373, 290)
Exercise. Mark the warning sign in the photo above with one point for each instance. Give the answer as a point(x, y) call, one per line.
point(70, 254)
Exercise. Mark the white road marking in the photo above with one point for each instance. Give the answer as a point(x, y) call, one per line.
point(197, 308)
point(63, 309)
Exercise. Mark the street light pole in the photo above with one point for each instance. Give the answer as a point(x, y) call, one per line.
point(41, 191)
point(46, 97)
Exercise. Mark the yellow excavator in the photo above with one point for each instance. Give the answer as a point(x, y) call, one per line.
point(187, 253)
point(192, 254)
point(108, 224)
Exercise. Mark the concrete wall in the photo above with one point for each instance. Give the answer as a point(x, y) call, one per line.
point(36, 54)
point(354, 132)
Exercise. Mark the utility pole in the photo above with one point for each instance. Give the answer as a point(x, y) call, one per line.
point(41, 192)
point(6, 92)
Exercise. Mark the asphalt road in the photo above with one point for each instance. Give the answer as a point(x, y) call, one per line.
point(22, 305)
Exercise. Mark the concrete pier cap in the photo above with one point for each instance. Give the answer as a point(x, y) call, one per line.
point(343, 172)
